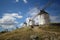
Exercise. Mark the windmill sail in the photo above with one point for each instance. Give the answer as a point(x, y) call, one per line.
point(47, 5)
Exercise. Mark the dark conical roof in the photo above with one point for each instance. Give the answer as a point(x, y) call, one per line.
point(42, 12)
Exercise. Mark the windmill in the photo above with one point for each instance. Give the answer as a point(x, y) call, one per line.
point(43, 16)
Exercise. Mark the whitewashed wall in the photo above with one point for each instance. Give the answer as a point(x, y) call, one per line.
point(37, 20)
point(29, 21)
point(42, 19)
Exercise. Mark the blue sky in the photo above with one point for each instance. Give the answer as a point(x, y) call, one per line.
point(18, 10)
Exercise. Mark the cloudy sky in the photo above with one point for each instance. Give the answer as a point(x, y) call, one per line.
point(14, 12)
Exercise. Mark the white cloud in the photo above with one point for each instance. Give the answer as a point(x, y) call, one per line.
point(33, 11)
point(17, 0)
point(13, 15)
point(25, 1)
point(9, 20)
point(55, 19)
point(21, 24)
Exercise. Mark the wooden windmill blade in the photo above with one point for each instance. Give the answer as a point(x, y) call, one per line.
point(36, 6)
point(35, 16)
point(47, 5)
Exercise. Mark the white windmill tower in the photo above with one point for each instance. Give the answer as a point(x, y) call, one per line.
point(43, 16)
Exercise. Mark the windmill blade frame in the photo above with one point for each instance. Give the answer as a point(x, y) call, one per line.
point(47, 5)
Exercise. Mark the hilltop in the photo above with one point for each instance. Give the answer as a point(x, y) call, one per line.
point(25, 33)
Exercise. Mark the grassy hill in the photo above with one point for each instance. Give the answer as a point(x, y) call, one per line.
point(26, 33)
